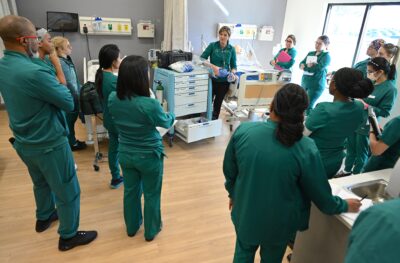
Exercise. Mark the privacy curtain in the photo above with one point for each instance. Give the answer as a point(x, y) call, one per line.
point(175, 25)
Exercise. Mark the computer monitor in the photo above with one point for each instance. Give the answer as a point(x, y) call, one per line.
point(62, 22)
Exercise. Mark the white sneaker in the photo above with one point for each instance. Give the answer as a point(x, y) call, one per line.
point(89, 140)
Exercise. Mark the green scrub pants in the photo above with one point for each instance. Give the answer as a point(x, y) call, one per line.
point(332, 165)
point(113, 155)
point(245, 253)
point(313, 96)
point(71, 118)
point(143, 172)
point(357, 153)
point(54, 184)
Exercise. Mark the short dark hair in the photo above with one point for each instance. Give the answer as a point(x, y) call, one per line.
point(325, 39)
point(107, 54)
point(351, 83)
point(289, 104)
point(133, 78)
point(380, 63)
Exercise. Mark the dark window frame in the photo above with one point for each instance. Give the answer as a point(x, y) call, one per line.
point(368, 7)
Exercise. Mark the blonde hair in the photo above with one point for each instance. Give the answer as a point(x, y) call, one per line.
point(59, 43)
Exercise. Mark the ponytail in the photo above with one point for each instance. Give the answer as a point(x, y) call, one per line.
point(392, 72)
point(107, 55)
point(98, 82)
point(289, 105)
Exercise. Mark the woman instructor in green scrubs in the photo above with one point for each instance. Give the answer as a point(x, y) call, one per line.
point(272, 174)
point(136, 116)
point(330, 123)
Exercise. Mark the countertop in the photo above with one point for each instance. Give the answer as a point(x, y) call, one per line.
point(344, 182)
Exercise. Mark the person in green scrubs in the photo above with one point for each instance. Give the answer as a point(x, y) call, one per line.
point(64, 50)
point(223, 55)
point(372, 52)
point(375, 236)
point(385, 149)
point(315, 66)
point(47, 55)
point(35, 102)
point(136, 115)
point(382, 100)
point(272, 173)
point(330, 123)
point(391, 53)
point(106, 82)
point(290, 42)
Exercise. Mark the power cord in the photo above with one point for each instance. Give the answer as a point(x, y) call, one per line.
point(85, 31)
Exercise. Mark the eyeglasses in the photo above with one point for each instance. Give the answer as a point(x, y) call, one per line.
point(370, 72)
point(289, 41)
point(27, 37)
point(318, 43)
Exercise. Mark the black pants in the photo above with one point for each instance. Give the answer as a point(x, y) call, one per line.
point(219, 90)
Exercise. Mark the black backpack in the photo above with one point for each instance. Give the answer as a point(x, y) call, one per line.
point(90, 101)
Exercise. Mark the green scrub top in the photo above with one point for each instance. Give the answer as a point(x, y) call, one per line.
point(331, 123)
point(391, 137)
point(136, 120)
point(375, 236)
point(382, 100)
point(287, 65)
point(272, 185)
point(221, 57)
point(315, 77)
point(34, 98)
point(109, 85)
point(362, 66)
point(71, 78)
point(45, 63)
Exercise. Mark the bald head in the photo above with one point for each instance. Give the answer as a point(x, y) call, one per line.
point(12, 27)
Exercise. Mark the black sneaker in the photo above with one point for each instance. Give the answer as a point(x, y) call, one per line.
point(78, 146)
point(116, 183)
point(42, 225)
point(81, 238)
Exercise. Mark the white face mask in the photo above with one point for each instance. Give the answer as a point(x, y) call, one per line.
point(372, 76)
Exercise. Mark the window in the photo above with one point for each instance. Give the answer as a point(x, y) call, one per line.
point(351, 27)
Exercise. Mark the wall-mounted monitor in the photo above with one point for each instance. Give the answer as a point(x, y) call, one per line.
point(62, 22)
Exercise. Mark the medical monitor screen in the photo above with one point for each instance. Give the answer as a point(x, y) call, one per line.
point(62, 22)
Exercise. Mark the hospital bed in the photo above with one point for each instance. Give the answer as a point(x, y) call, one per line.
point(254, 95)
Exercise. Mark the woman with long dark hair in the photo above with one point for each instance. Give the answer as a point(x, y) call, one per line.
point(272, 174)
point(136, 115)
point(106, 81)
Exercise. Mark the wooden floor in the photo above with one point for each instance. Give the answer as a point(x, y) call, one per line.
point(197, 225)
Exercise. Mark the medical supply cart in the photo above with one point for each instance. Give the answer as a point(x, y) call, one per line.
point(186, 94)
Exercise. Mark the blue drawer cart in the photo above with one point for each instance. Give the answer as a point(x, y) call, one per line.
point(185, 93)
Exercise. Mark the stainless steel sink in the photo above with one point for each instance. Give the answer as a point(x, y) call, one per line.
point(374, 190)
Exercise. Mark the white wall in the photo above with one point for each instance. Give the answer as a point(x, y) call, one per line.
point(305, 19)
